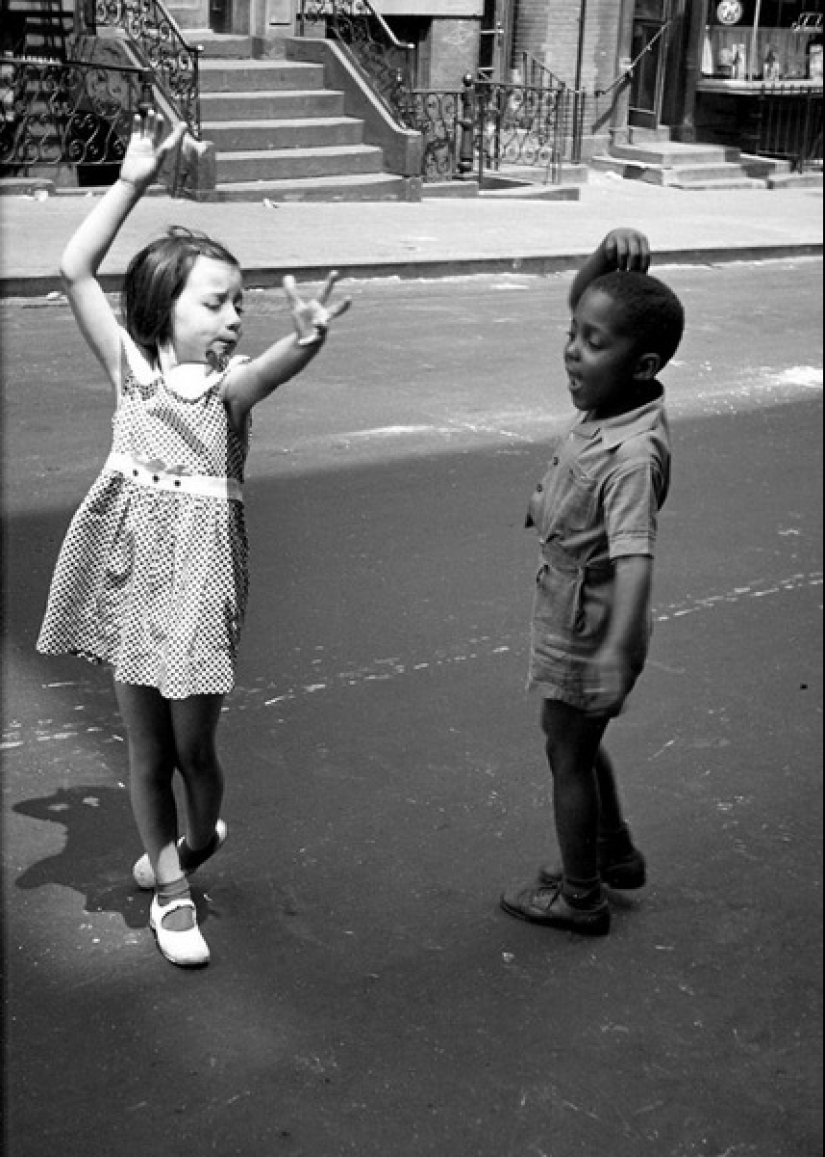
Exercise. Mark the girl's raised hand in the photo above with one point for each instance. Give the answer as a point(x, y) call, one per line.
point(148, 147)
point(312, 318)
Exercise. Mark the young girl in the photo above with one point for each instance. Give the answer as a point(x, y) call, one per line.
point(596, 514)
point(152, 576)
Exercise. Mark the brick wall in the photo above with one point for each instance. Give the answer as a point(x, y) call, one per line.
point(549, 30)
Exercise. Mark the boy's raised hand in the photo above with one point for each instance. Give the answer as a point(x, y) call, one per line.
point(149, 145)
point(312, 318)
point(627, 250)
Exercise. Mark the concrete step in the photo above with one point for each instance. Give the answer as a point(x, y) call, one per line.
point(263, 105)
point(703, 174)
point(292, 164)
point(219, 46)
point(669, 154)
point(259, 76)
point(639, 136)
point(363, 187)
point(812, 180)
point(706, 184)
point(714, 176)
point(276, 135)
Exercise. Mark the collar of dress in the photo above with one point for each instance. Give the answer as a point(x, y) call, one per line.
point(190, 381)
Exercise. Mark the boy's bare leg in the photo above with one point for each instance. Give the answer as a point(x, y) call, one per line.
point(573, 742)
point(612, 815)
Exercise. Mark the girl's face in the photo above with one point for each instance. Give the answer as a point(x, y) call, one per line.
point(602, 362)
point(206, 317)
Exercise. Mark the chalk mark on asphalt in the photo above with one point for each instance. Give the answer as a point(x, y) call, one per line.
point(479, 647)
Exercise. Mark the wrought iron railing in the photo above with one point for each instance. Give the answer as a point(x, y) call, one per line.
point(536, 74)
point(59, 112)
point(386, 62)
point(524, 126)
point(789, 125)
point(484, 125)
point(161, 46)
point(492, 127)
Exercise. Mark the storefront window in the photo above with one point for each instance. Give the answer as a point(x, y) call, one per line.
point(766, 41)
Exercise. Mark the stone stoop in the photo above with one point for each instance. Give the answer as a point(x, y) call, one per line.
point(279, 134)
point(682, 166)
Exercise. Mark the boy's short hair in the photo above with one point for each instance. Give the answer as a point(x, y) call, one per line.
point(650, 310)
point(155, 279)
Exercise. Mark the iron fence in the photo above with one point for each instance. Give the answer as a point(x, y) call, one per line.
point(156, 38)
point(490, 127)
point(58, 112)
point(789, 125)
point(385, 61)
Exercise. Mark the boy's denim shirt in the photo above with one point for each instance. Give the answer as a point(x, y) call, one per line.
point(607, 481)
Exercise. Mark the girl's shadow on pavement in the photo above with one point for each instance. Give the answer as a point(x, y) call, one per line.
point(97, 857)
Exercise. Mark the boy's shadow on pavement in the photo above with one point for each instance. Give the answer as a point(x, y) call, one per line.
point(95, 860)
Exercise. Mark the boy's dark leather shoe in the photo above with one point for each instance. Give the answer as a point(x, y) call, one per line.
point(545, 904)
point(625, 873)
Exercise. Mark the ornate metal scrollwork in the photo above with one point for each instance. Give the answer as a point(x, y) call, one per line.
point(384, 60)
point(156, 36)
point(54, 112)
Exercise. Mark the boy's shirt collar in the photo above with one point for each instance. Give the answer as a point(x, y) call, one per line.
point(615, 431)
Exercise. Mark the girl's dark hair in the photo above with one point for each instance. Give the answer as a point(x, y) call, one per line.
point(649, 310)
point(155, 280)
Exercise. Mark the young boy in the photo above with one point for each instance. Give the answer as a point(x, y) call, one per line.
point(596, 515)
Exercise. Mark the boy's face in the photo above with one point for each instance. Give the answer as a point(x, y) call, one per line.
point(602, 361)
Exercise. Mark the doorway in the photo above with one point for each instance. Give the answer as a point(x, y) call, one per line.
point(220, 16)
point(495, 50)
point(651, 26)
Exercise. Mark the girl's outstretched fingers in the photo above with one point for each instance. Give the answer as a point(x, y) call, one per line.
point(329, 285)
point(312, 318)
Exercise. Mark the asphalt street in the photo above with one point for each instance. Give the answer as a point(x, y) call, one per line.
point(386, 779)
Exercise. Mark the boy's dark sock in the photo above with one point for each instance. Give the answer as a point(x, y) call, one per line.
point(191, 859)
point(583, 893)
point(617, 844)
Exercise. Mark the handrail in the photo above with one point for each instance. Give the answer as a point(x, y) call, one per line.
point(384, 60)
point(158, 39)
point(393, 39)
point(631, 68)
point(539, 66)
point(373, 11)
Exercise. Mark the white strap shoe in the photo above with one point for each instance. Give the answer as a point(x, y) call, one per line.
point(187, 949)
point(142, 872)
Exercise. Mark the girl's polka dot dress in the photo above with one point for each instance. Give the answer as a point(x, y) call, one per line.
point(152, 576)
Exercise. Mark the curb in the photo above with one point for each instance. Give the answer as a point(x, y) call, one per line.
point(542, 265)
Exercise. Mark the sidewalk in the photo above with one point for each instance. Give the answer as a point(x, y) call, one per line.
point(433, 238)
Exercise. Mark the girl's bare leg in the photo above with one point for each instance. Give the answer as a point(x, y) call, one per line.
point(195, 723)
point(151, 740)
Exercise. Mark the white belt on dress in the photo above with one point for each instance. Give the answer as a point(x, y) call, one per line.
point(205, 485)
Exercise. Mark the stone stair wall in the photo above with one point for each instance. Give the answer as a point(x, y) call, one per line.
point(280, 133)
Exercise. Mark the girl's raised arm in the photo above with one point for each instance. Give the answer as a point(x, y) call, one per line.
point(256, 380)
point(91, 242)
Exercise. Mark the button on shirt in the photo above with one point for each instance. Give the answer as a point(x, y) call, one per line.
point(607, 481)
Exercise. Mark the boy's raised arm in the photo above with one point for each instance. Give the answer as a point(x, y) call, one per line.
point(622, 249)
